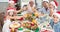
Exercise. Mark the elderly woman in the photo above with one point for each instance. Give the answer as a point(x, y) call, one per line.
point(53, 6)
point(7, 21)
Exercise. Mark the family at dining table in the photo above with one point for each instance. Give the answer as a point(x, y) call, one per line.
point(49, 8)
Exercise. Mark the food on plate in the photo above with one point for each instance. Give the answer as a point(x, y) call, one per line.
point(15, 25)
point(34, 21)
point(46, 31)
point(27, 31)
point(30, 25)
point(36, 14)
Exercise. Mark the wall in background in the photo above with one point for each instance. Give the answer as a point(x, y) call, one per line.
point(39, 3)
point(4, 0)
point(3, 6)
point(59, 4)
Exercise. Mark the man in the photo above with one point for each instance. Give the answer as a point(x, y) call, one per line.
point(45, 8)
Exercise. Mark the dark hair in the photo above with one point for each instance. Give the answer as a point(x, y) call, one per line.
point(25, 6)
point(44, 1)
point(17, 7)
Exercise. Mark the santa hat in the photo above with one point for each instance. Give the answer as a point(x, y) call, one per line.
point(11, 1)
point(54, 3)
point(57, 14)
point(11, 10)
point(46, 1)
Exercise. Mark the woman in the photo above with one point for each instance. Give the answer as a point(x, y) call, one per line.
point(53, 6)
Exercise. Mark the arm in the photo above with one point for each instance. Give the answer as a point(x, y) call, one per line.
point(59, 27)
point(11, 17)
point(51, 23)
point(34, 9)
point(19, 10)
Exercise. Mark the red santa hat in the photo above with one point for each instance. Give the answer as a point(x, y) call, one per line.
point(54, 3)
point(10, 10)
point(57, 14)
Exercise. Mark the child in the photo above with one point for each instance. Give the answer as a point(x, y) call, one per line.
point(10, 15)
point(55, 22)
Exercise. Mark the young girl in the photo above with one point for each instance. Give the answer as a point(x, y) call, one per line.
point(55, 22)
point(7, 21)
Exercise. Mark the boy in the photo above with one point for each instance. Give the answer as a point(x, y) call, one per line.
point(55, 22)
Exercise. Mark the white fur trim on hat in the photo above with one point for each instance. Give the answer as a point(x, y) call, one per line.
point(53, 3)
point(46, 0)
point(56, 14)
point(11, 10)
point(11, 1)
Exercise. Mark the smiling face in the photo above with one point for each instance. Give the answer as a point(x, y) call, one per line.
point(51, 6)
point(10, 13)
point(45, 4)
point(55, 18)
point(31, 3)
point(25, 7)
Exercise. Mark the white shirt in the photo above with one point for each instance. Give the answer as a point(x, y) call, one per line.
point(43, 10)
point(24, 12)
point(30, 8)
